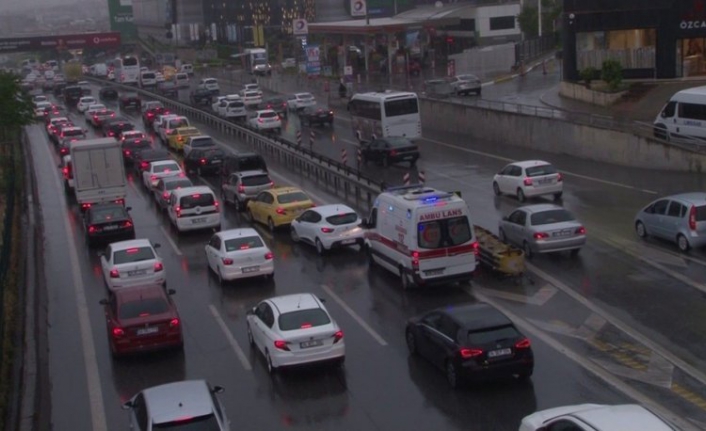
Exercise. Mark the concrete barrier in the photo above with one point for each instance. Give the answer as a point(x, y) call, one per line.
point(558, 136)
point(580, 92)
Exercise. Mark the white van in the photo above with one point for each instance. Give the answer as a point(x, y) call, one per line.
point(187, 68)
point(194, 208)
point(422, 234)
point(684, 116)
point(181, 80)
point(148, 79)
point(99, 70)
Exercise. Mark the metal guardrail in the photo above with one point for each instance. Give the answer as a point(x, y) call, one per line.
point(343, 180)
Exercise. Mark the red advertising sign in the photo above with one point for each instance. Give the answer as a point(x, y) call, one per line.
point(60, 42)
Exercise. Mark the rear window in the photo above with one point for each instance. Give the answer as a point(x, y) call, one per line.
point(100, 215)
point(268, 115)
point(143, 308)
point(197, 200)
point(236, 104)
point(252, 94)
point(256, 180)
point(166, 168)
point(340, 219)
point(444, 233)
point(182, 76)
point(288, 198)
point(305, 97)
point(536, 171)
point(76, 132)
point(175, 124)
point(173, 185)
point(303, 319)
point(200, 423)
point(551, 216)
point(205, 142)
point(243, 243)
point(491, 335)
point(135, 254)
point(250, 164)
point(701, 213)
point(210, 81)
point(399, 142)
point(149, 76)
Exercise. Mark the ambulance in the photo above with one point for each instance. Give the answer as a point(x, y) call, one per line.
point(423, 235)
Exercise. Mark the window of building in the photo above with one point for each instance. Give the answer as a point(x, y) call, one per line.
point(502, 23)
point(634, 48)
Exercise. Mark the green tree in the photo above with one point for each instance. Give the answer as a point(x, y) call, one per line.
point(16, 107)
point(528, 22)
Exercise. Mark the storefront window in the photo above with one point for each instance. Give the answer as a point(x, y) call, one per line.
point(634, 49)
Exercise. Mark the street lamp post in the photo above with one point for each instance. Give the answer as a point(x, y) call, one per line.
point(539, 16)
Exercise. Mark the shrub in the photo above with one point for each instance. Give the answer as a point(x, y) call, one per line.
point(587, 75)
point(612, 74)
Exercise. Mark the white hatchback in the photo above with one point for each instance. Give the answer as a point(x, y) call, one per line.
point(239, 253)
point(528, 179)
point(327, 227)
point(266, 119)
point(299, 101)
point(158, 170)
point(252, 98)
point(295, 330)
point(85, 102)
point(88, 113)
point(132, 263)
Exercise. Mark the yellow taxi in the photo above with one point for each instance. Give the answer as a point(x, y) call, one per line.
point(168, 72)
point(278, 206)
point(178, 137)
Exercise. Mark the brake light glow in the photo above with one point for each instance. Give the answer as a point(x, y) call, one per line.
point(196, 196)
point(559, 177)
point(415, 260)
point(153, 177)
point(281, 211)
point(93, 229)
point(305, 326)
point(178, 211)
point(581, 230)
point(132, 250)
point(523, 344)
point(127, 223)
point(174, 323)
point(118, 332)
point(528, 181)
point(326, 230)
point(158, 266)
point(217, 205)
point(393, 153)
point(470, 353)
point(114, 273)
point(269, 255)
point(692, 218)
point(338, 336)
point(281, 345)
point(203, 161)
point(227, 260)
point(127, 152)
point(165, 195)
point(476, 248)
point(241, 188)
point(541, 235)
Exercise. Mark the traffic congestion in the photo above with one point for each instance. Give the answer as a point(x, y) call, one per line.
point(206, 274)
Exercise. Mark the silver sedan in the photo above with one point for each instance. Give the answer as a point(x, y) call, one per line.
point(543, 228)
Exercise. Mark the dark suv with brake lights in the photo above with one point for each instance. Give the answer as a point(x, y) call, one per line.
point(114, 126)
point(133, 146)
point(130, 99)
point(141, 159)
point(108, 221)
point(387, 151)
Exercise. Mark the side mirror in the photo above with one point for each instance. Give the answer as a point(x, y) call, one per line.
point(156, 245)
point(663, 114)
point(100, 254)
point(218, 389)
point(127, 405)
point(322, 300)
point(365, 223)
point(250, 311)
point(128, 208)
point(103, 302)
point(171, 291)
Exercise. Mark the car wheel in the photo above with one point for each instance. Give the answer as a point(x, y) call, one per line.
point(293, 233)
point(411, 342)
point(521, 195)
point(640, 230)
point(528, 250)
point(501, 236)
point(496, 188)
point(220, 277)
point(270, 367)
point(452, 374)
point(320, 247)
point(683, 243)
point(557, 196)
point(271, 224)
point(251, 340)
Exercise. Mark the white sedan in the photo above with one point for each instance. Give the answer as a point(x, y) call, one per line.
point(85, 102)
point(266, 119)
point(158, 170)
point(88, 113)
point(528, 179)
point(133, 134)
point(40, 109)
point(327, 227)
point(252, 98)
point(132, 263)
point(239, 253)
point(595, 417)
point(295, 330)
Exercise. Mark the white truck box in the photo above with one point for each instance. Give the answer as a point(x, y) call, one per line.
point(99, 172)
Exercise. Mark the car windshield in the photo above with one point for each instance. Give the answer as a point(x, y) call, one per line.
point(199, 423)
point(101, 215)
point(343, 218)
point(303, 319)
point(134, 254)
point(167, 167)
point(243, 243)
point(550, 217)
point(537, 171)
point(173, 185)
point(255, 180)
point(143, 308)
point(288, 198)
point(197, 200)
point(491, 335)
point(444, 232)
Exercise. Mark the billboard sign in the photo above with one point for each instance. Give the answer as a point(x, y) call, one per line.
point(121, 18)
point(60, 42)
point(359, 8)
point(313, 60)
point(300, 27)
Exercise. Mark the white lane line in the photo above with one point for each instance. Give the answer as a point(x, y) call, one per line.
point(509, 160)
point(231, 340)
point(589, 365)
point(645, 340)
point(95, 395)
point(355, 316)
point(170, 240)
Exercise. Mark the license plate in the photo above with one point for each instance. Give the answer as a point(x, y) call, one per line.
point(147, 331)
point(137, 272)
point(215, 162)
point(112, 227)
point(347, 241)
point(198, 220)
point(312, 343)
point(251, 269)
point(407, 157)
point(434, 272)
point(545, 181)
point(501, 352)
point(563, 233)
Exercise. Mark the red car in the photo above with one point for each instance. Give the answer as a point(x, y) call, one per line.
point(141, 319)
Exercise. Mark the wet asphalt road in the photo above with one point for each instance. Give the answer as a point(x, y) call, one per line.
point(619, 305)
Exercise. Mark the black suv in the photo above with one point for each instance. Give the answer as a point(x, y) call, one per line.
point(240, 162)
point(72, 94)
point(108, 93)
point(204, 161)
point(141, 159)
point(108, 221)
point(318, 114)
point(115, 126)
point(386, 151)
point(130, 99)
point(200, 97)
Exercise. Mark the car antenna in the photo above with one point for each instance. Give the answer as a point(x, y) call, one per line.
point(299, 302)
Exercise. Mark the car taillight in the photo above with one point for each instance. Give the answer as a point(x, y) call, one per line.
point(180, 138)
point(118, 332)
point(271, 184)
point(227, 261)
point(178, 211)
point(144, 165)
point(338, 336)
point(470, 353)
point(541, 235)
point(528, 181)
point(476, 248)
point(165, 195)
point(260, 120)
point(269, 255)
point(393, 152)
point(523, 344)
point(415, 260)
point(153, 177)
point(85, 206)
point(692, 218)
point(217, 205)
point(281, 345)
point(581, 230)
point(93, 229)
point(203, 161)
point(241, 188)
point(127, 152)
point(111, 133)
point(158, 266)
point(150, 115)
point(326, 230)
point(127, 223)
point(114, 273)
point(281, 211)
point(65, 172)
point(559, 177)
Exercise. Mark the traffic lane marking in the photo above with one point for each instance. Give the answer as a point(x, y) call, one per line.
point(231, 339)
point(95, 394)
point(170, 240)
point(377, 337)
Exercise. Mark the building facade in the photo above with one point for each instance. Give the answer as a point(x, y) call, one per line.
point(650, 38)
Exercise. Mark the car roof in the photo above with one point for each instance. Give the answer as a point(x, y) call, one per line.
point(303, 94)
point(250, 173)
point(695, 198)
point(538, 208)
point(625, 416)
point(122, 245)
point(171, 401)
point(194, 137)
point(145, 291)
point(193, 190)
point(296, 301)
point(186, 129)
point(283, 190)
point(164, 162)
point(263, 111)
point(476, 315)
point(333, 209)
point(530, 163)
point(237, 233)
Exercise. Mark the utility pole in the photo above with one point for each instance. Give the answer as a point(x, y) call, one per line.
point(539, 16)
